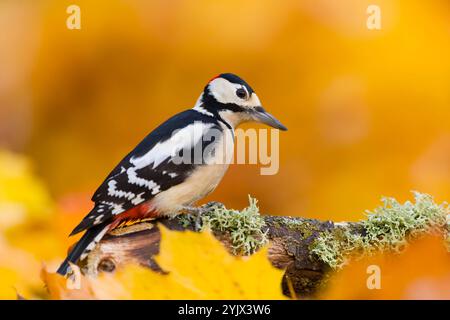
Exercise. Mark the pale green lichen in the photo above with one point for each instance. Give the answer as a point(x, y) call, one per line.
point(328, 249)
point(388, 227)
point(243, 227)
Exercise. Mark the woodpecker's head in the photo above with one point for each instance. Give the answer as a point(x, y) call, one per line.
point(232, 99)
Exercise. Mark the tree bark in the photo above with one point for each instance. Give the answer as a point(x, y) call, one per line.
point(289, 249)
point(307, 249)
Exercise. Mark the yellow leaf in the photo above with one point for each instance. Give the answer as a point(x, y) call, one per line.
point(197, 266)
point(203, 266)
point(8, 278)
point(22, 195)
point(19, 273)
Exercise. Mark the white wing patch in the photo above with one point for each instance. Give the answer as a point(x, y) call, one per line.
point(181, 139)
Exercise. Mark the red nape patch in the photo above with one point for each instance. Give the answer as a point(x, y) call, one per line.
point(214, 78)
point(140, 212)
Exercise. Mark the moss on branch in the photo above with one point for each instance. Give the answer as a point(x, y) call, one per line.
point(387, 228)
point(305, 248)
point(246, 228)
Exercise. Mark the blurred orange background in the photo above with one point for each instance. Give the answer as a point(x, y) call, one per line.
point(368, 111)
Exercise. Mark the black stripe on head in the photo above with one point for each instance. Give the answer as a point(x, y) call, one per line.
point(235, 79)
point(213, 106)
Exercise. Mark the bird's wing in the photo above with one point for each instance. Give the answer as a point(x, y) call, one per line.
point(151, 167)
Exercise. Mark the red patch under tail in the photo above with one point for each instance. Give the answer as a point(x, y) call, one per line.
point(140, 212)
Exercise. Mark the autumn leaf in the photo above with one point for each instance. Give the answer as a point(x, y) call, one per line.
point(19, 273)
point(421, 272)
point(7, 280)
point(22, 195)
point(61, 288)
point(197, 266)
point(202, 266)
point(29, 219)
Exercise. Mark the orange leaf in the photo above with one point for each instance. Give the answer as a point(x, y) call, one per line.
point(421, 272)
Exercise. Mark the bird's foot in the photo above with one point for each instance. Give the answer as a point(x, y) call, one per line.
point(208, 206)
point(199, 211)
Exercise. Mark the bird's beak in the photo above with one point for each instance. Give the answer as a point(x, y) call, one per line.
point(260, 115)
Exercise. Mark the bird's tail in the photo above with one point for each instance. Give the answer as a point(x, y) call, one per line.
point(87, 242)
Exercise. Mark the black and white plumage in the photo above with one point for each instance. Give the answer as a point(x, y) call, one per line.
point(151, 181)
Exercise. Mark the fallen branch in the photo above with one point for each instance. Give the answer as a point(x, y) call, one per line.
point(306, 248)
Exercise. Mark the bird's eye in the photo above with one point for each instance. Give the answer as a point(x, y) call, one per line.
point(241, 93)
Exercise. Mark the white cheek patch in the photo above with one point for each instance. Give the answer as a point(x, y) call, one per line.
point(254, 101)
point(225, 92)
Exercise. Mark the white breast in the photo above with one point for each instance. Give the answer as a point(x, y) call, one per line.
point(203, 180)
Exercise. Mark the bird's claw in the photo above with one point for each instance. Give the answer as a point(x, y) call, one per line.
point(198, 224)
point(211, 205)
point(199, 211)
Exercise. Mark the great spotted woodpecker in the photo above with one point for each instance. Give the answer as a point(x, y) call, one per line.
point(151, 181)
